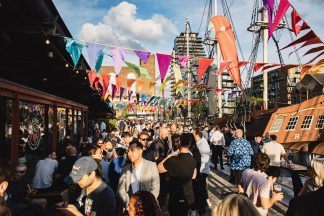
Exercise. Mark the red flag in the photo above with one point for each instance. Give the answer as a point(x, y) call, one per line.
point(257, 66)
point(130, 83)
point(223, 65)
point(270, 66)
point(226, 40)
point(309, 36)
point(282, 8)
point(309, 42)
point(92, 77)
point(242, 63)
point(313, 50)
point(310, 61)
point(203, 64)
point(105, 79)
point(295, 18)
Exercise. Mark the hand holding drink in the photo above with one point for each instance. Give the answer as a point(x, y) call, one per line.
point(277, 193)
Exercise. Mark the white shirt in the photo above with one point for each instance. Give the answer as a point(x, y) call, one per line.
point(204, 150)
point(274, 150)
point(44, 173)
point(256, 185)
point(136, 177)
point(217, 138)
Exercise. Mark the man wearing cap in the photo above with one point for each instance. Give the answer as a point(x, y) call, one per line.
point(138, 175)
point(96, 197)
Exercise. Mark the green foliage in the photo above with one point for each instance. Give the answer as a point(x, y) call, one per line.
point(254, 100)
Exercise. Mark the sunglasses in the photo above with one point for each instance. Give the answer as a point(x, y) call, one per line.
point(144, 139)
point(20, 171)
point(100, 143)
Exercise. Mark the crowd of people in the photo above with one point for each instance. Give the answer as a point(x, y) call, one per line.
point(150, 168)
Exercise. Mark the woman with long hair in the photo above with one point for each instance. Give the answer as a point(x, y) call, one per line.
point(143, 203)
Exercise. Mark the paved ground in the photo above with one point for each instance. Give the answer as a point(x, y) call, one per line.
point(218, 185)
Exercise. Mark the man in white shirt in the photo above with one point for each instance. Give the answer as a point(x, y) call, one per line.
point(275, 151)
point(45, 169)
point(217, 142)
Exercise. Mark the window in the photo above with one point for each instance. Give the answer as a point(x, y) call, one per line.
point(320, 122)
point(276, 124)
point(292, 123)
point(307, 122)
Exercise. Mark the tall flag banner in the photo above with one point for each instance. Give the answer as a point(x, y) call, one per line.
point(203, 64)
point(118, 55)
point(121, 93)
point(227, 44)
point(92, 77)
point(130, 95)
point(143, 55)
point(163, 62)
point(177, 72)
point(183, 60)
point(94, 53)
point(295, 18)
point(282, 9)
point(74, 49)
point(269, 5)
point(130, 82)
point(134, 67)
point(309, 36)
point(114, 90)
point(223, 65)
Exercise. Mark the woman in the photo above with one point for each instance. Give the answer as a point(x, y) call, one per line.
point(316, 180)
point(143, 203)
point(235, 205)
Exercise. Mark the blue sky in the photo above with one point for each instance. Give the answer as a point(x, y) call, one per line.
point(154, 24)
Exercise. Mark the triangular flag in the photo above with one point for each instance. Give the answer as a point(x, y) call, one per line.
point(203, 64)
point(295, 18)
point(257, 66)
point(92, 77)
point(233, 93)
point(242, 63)
point(143, 55)
point(282, 8)
point(118, 55)
point(105, 79)
point(177, 72)
point(163, 62)
point(219, 91)
point(134, 67)
point(183, 60)
point(114, 90)
point(139, 85)
point(137, 97)
point(309, 36)
point(94, 52)
point(75, 50)
point(223, 65)
point(130, 95)
point(130, 82)
point(99, 62)
point(313, 50)
point(269, 5)
point(118, 82)
point(313, 59)
point(270, 66)
point(121, 93)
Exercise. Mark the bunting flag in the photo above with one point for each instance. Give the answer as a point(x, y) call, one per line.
point(143, 55)
point(130, 95)
point(233, 93)
point(313, 59)
point(99, 62)
point(314, 50)
point(270, 66)
point(269, 5)
point(105, 79)
point(177, 72)
point(219, 91)
point(203, 64)
point(143, 98)
point(139, 85)
point(282, 9)
point(225, 35)
point(309, 36)
point(223, 65)
point(121, 93)
point(114, 90)
point(130, 82)
point(316, 40)
point(134, 67)
point(295, 18)
point(137, 97)
point(94, 53)
point(163, 62)
point(74, 49)
point(242, 63)
point(183, 60)
point(92, 77)
point(257, 66)
point(118, 55)
point(144, 72)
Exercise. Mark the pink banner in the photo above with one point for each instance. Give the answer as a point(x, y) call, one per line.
point(282, 8)
point(164, 62)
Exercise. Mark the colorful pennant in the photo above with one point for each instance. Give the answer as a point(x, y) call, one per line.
point(163, 62)
point(143, 55)
point(203, 64)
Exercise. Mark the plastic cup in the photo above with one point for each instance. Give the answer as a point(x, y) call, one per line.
point(277, 188)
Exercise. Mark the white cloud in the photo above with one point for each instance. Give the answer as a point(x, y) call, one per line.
point(121, 27)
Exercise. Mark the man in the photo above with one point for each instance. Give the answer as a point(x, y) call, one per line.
point(217, 144)
point(65, 166)
point(162, 146)
point(255, 144)
point(138, 175)
point(240, 153)
point(96, 197)
point(45, 169)
point(173, 128)
point(204, 150)
point(127, 138)
point(275, 151)
point(181, 169)
point(205, 133)
point(309, 204)
point(257, 186)
point(115, 168)
point(148, 150)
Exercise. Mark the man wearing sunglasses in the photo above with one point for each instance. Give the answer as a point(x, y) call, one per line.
point(148, 149)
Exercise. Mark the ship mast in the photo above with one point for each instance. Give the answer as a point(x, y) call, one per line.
point(265, 31)
point(219, 76)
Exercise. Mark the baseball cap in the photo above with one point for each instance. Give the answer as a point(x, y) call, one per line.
point(82, 166)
